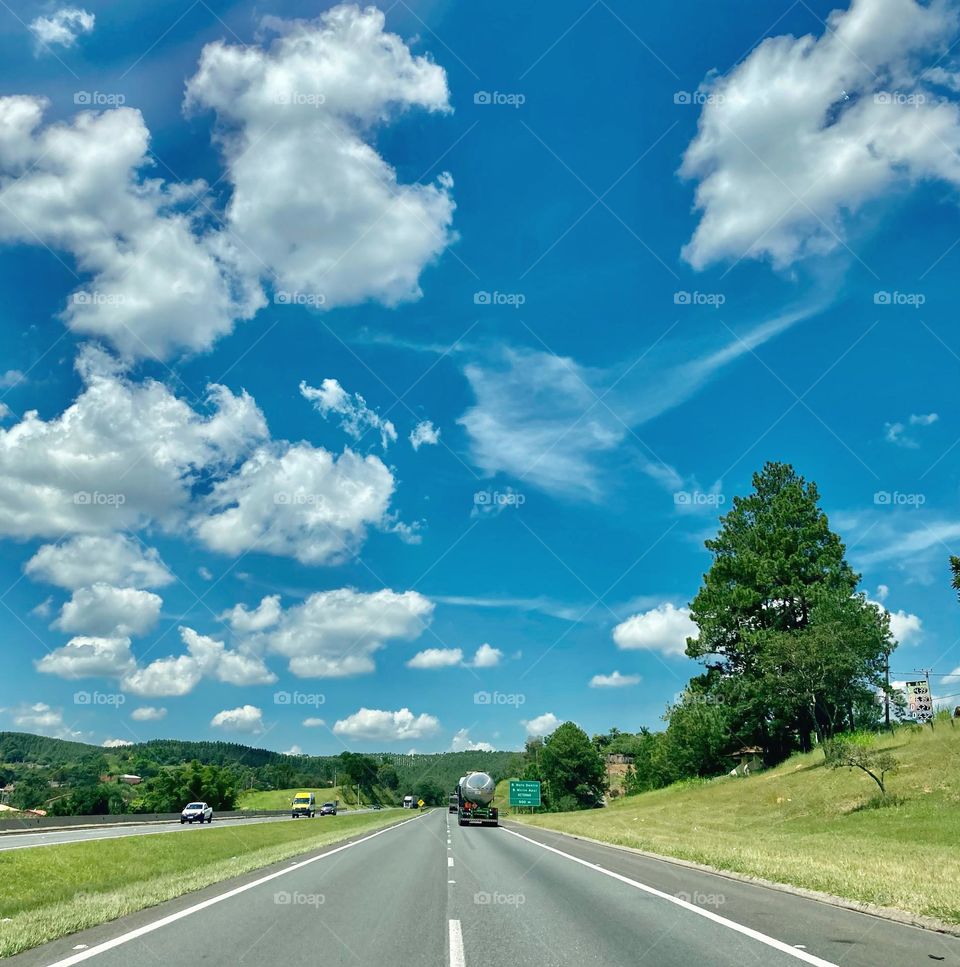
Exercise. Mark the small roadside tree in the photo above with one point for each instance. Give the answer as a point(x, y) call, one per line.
point(572, 767)
point(847, 752)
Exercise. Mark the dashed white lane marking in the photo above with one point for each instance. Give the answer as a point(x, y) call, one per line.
point(456, 945)
point(449, 861)
point(173, 917)
point(716, 918)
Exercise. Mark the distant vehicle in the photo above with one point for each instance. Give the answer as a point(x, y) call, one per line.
point(453, 803)
point(409, 802)
point(196, 812)
point(328, 809)
point(475, 793)
point(376, 805)
point(304, 804)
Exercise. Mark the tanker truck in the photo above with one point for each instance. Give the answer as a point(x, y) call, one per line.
point(474, 797)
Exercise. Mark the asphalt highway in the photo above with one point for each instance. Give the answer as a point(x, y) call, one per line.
point(430, 893)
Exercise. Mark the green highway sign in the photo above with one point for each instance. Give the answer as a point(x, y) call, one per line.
point(524, 793)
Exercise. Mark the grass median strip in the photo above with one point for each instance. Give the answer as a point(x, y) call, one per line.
point(805, 825)
point(51, 891)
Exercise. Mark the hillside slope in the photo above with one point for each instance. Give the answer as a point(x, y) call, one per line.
point(804, 824)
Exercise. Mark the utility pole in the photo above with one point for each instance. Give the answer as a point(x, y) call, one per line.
point(886, 694)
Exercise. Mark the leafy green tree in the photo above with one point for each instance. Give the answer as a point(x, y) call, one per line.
point(854, 753)
point(778, 592)
point(430, 791)
point(31, 791)
point(572, 768)
point(387, 776)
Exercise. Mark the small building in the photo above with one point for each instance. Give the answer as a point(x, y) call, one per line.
point(749, 759)
point(130, 780)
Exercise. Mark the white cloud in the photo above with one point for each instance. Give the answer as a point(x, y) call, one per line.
point(62, 27)
point(356, 418)
point(436, 658)
point(245, 718)
point(313, 723)
point(90, 559)
point(105, 610)
point(906, 628)
point(882, 593)
point(265, 615)
point(89, 657)
point(43, 720)
point(806, 131)
point(115, 743)
point(11, 378)
point(370, 725)
point(206, 657)
point(120, 455)
point(334, 634)
point(542, 725)
point(896, 433)
point(297, 501)
point(424, 434)
point(615, 680)
point(148, 713)
point(463, 743)
point(158, 281)
point(923, 419)
point(664, 629)
point(293, 750)
point(311, 197)
point(486, 656)
point(5, 412)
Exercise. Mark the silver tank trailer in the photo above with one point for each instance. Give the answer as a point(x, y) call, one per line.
point(477, 787)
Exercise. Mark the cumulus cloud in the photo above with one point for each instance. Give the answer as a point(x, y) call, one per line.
point(334, 634)
point(615, 680)
point(43, 720)
point(244, 622)
point(115, 743)
point(356, 418)
point(11, 378)
point(105, 610)
point(424, 434)
point(158, 283)
point(62, 28)
point(806, 131)
point(113, 559)
point(337, 226)
point(370, 725)
point(486, 656)
point(298, 501)
point(463, 743)
point(245, 718)
point(89, 657)
point(436, 658)
point(542, 725)
point(906, 628)
point(313, 723)
point(897, 433)
point(148, 713)
point(120, 455)
point(664, 629)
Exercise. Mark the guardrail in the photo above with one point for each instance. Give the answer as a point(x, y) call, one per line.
point(29, 824)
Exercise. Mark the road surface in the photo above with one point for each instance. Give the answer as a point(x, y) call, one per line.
point(430, 893)
point(54, 836)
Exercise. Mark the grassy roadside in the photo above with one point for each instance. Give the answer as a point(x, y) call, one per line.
point(280, 798)
point(806, 825)
point(51, 891)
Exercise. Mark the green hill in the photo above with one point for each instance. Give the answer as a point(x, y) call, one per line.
point(805, 824)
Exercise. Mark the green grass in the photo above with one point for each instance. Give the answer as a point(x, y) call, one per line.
point(51, 891)
point(281, 798)
point(804, 824)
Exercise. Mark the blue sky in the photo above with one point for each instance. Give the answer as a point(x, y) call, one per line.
point(604, 267)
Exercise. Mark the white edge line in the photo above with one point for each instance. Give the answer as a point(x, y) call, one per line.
point(180, 914)
point(716, 918)
point(456, 945)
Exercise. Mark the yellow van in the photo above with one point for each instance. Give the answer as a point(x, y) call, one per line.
point(304, 804)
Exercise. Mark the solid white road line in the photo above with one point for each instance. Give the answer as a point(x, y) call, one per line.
point(173, 917)
point(456, 945)
point(716, 918)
